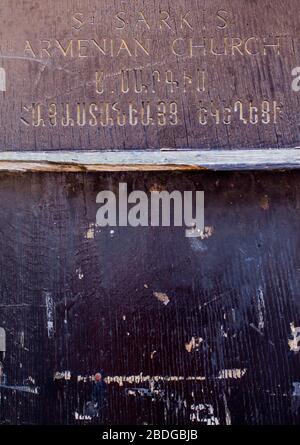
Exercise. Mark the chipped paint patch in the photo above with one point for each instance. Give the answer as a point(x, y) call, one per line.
point(261, 308)
point(296, 391)
point(162, 297)
point(131, 392)
point(223, 332)
point(90, 233)
point(226, 374)
point(232, 373)
point(145, 392)
point(194, 344)
point(207, 232)
point(81, 416)
point(153, 354)
point(49, 314)
point(203, 413)
point(2, 341)
point(80, 273)
point(157, 188)
point(203, 234)
point(22, 339)
point(294, 344)
point(264, 202)
point(65, 375)
point(25, 389)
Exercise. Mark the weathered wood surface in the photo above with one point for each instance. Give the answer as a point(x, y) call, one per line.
point(212, 318)
point(102, 75)
point(137, 160)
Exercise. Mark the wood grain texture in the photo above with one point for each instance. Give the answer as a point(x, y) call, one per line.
point(137, 160)
point(150, 302)
point(51, 51)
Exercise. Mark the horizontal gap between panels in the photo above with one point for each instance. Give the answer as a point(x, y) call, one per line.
point(139, 160)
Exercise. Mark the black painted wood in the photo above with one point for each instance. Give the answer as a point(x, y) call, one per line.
point(150, 301)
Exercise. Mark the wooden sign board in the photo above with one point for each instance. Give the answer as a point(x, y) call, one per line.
point(149, 75)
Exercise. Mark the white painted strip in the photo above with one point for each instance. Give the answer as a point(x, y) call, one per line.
point(256, 159)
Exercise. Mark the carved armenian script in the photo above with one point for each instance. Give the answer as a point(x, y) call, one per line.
point(102, 74)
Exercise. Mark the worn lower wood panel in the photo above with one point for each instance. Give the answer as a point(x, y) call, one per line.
point(210, 318)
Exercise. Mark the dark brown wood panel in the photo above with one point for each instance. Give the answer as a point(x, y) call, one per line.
point(149, 74)
point(188, 331)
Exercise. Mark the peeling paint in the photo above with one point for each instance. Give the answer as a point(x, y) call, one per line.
point(264, 202)
point(261, 308)
point(194, 344)
point(79, 273)
point(49, 314)
point(153, 354)
point(207, 232)
point(25, 389)
point(226, 374)
point(2, 341)
point(90, 233)
point(203, 413)
point(81, 416)
point(65, 375)
point(232, 373)
point(203, 234)
point(163, 298)
point(22, 339)
point(223, 332)
point(145, 392)
point(294, 344)
point(296, 389)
